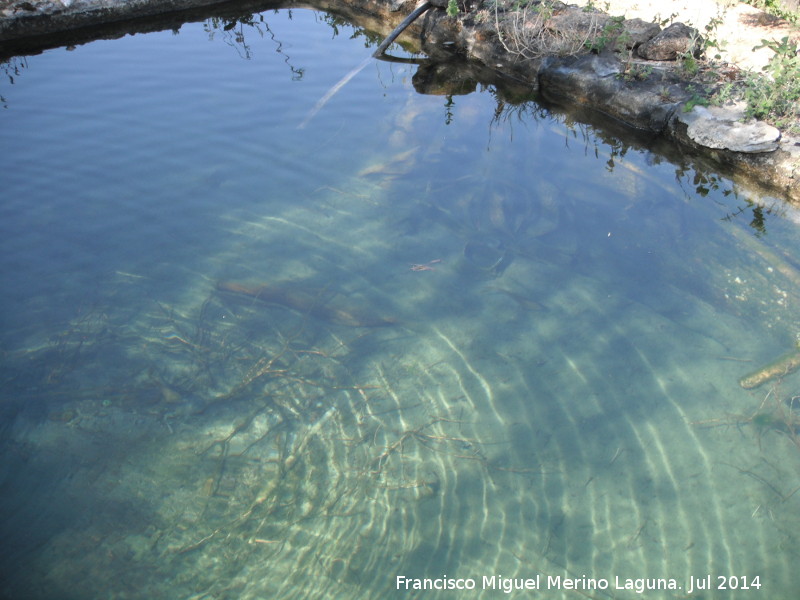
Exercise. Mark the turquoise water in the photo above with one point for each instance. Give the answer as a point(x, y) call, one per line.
point(257, 346)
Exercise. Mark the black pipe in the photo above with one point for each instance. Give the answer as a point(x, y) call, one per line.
point(399, 29)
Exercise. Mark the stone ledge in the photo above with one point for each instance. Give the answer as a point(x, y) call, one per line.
point(725, 128)
point(29, 18)
point(595, 80)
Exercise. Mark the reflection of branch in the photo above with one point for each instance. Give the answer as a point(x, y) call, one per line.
point(233, 32)
point(297, 73)
point(603, 144)
point(236, 38)
point(12, 67)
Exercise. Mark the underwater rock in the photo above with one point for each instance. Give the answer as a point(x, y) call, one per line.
point(397, 164)
point(315, 304)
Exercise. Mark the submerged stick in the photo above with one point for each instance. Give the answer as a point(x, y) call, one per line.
point(783, 366)
point(400, 28)
point(350, 314)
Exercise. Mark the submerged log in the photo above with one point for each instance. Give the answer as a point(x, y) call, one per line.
point(782, 366)
point(316, 305)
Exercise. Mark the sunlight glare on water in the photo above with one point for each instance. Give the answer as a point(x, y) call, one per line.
point(427, 336)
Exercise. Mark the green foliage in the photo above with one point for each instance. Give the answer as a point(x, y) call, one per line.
point(544, 9)
point(699, 47)
point(613, 32)
point(696, 100)
point(663, 22)
point(482, 16)
point(689, 63)
point(775, 94)
point(774, 7)
point(710, 40)
point(452, 8)
point(591, 7)
point(635, 72)
point(726, 93)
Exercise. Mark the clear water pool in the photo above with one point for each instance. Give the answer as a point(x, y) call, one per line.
point(259, 346)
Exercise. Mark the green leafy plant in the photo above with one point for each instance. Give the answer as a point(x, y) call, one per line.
point(612, 32)
point(774, 7)
point(663, 22)
point(726, 93)
point(482, 16)
point(689, 63)
point(452, 8)
point(710, 40)
point(775, 94)
point(699, 46)
point(635, 72)
point(697, 99)
point(592, 7)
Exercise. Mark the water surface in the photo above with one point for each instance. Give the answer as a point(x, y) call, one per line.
point(418, 335)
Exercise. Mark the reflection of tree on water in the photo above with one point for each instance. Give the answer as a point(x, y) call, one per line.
point(336, 23)
point(696, 178)
point(12, 68)
point(233, 33)
point(759, 215)
point(704, 181)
